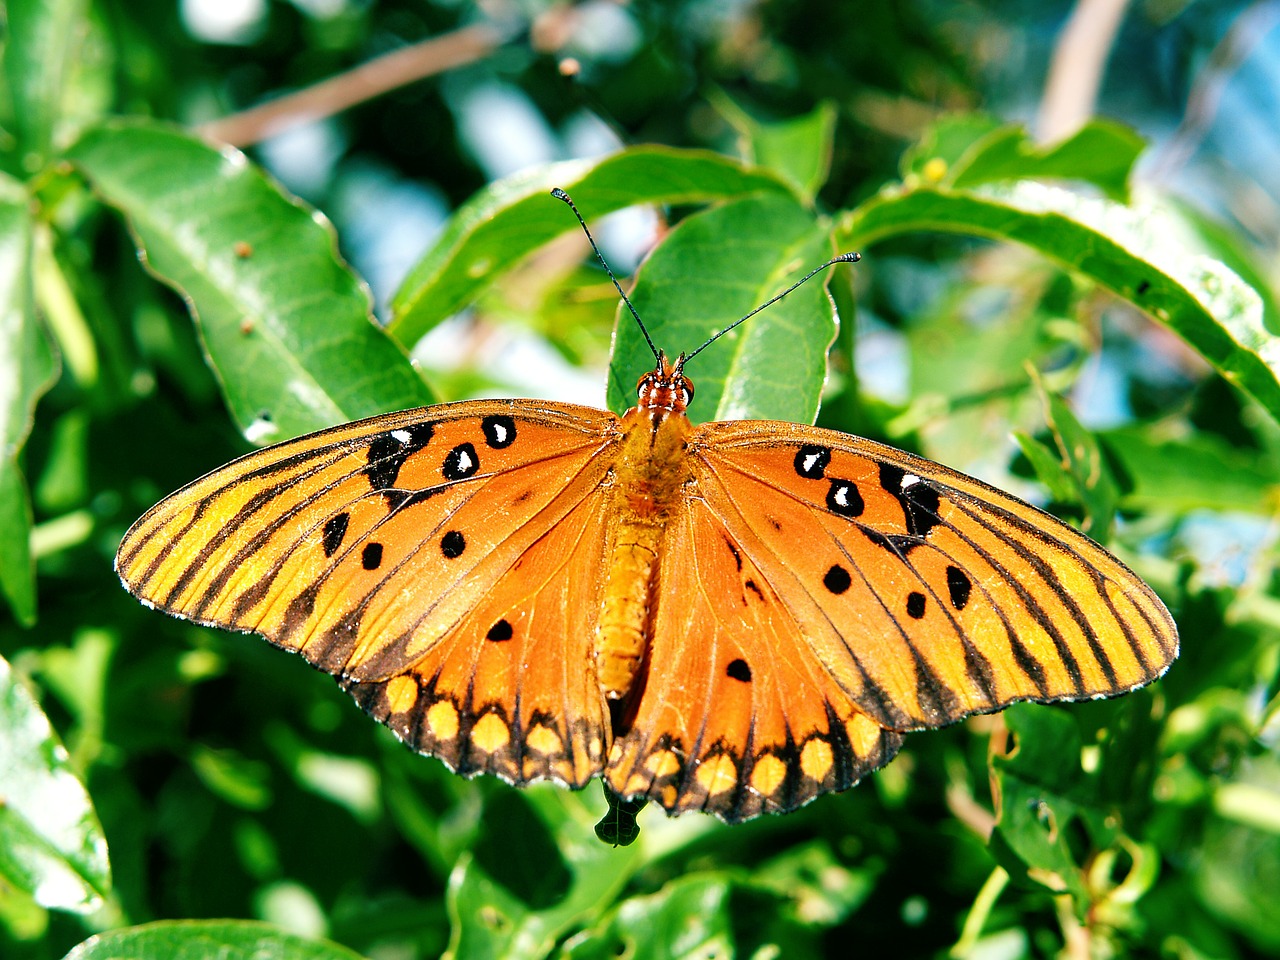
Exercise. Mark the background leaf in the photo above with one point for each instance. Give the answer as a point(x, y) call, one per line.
point(714, 268)
point(51, 844)
point(200, 939)
point(286, 326)
point(27, 369)
point(516, 216)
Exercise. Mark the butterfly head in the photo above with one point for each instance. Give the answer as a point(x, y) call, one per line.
point(665, 388)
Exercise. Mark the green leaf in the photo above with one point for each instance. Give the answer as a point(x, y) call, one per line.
point(1132, 252)
point(508, 219)
point(944, 146)
point(1196, 472)
point(1082, 457)
point(505, 906)
point(40, 53)
point(1101, 153)
point(689, 917)
point(1039, 787)
point(964, 151)
point(286, 326)
point(51, 844)
point(713, 268)
point(1048, 467)
point(798, 150)
point(27, 370)
point(201, 939)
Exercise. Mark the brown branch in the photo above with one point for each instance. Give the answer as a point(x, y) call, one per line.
point(1075, 72)
point(369, 80)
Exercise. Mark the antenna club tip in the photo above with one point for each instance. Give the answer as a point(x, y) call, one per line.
point(559, 194)
point(849, 257)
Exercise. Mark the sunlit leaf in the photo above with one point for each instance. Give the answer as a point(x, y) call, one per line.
point(51, 844)
point(286, 325)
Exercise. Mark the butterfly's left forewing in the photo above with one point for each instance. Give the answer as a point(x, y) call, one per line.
point(424, 557)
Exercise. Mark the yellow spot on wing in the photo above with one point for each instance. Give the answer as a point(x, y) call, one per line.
point(442, 719)
point(544, 740)
point(717, 774)
point(402, 694)
point(663, 763)
point(816, 760)
point(490, 733)
point(768, 773)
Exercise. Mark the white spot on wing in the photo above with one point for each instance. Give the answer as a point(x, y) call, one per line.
point(404, 436)
point(909, 480)
point(809, 461)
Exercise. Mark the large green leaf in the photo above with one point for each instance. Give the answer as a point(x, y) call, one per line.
point(27, 369)
point(286, 325)
point(1135, 253)
point(202, 939)
point(513, 217)
point(51, 844)
point(713, 268)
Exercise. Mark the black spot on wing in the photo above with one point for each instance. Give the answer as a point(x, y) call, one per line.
point(837, 579)
point(737, 557)
point(499, 431)
point(959, 587)
point(389, 451)
point(918, 499)
point(371, 556)
point(335, 529)
point(499, 632)
point(739, 670)
point(915, 605)
point(844, 499)
point(811, 461)
point(452, 544)
point(460, 462)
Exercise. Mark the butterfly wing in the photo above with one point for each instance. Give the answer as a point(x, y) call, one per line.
point(442, 562)
point(927, 594)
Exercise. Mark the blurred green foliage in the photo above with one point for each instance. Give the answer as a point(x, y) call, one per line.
point(183, 791)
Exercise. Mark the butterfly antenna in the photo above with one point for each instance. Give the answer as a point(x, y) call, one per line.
point(843, 258)
point(561, 195)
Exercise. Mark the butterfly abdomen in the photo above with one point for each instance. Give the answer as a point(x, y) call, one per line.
point(649, 483)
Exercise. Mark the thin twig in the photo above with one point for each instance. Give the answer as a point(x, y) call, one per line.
point(1075, 72)
point(357, 85)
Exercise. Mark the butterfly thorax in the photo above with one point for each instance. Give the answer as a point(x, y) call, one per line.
point(649, 484)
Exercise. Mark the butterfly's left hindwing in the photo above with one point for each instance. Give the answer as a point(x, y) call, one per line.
point(425, 558)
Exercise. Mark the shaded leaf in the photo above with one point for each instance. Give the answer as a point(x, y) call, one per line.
point(27, 370)
point(797, 149)
point(502, 906)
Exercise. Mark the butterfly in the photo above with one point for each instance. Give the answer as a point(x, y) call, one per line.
point(733, 617)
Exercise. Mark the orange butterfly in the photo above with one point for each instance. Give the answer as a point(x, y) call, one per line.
point(733, 617)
